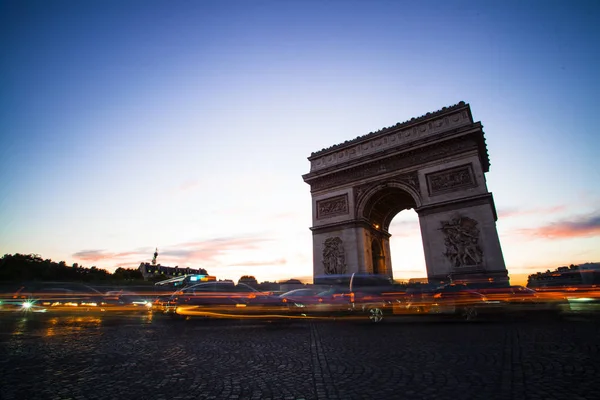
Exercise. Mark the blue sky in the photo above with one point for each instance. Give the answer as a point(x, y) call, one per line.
point(186, 125)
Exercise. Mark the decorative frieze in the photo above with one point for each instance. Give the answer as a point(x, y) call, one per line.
point(391, 137)
point(397, 162)
point(332, 206)
point(451, 179)
point(461, 238)
point(334, 256)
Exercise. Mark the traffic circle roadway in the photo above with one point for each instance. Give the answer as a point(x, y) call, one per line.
point(151, 356)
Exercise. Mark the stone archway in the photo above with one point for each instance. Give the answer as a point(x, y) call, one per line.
point(434, 164)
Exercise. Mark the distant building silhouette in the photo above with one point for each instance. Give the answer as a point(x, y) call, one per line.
point(573, 275)
point(152, 270)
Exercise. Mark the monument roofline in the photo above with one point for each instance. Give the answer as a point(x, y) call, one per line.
point(400, 125)
point(473, 133)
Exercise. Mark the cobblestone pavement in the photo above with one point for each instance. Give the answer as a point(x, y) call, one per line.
point(154, 357)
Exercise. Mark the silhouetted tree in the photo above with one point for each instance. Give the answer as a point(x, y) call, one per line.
point(31, 267)
point(127, 274)
point(249, 280)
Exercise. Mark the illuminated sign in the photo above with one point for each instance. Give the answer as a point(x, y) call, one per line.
point(202, 278)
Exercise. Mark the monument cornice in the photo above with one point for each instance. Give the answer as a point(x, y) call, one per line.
point(409, 133)
point(475, 130)
point(402, 161)
point(458, 204)
point(400, 125)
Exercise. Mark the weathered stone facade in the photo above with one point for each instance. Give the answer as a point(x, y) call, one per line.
point(435, 164)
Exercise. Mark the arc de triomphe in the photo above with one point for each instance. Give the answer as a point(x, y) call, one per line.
point(434, 164)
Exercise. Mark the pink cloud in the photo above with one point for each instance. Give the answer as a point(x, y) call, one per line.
point(100, 255)
point(208, 250)
point(584, 226)
point(189, 253)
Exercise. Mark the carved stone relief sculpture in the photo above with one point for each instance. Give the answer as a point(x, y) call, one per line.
point(334, 258)
point(333, 206)
point(462, 242)
point(451, 179)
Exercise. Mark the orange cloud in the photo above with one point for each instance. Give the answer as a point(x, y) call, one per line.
point(585, 226)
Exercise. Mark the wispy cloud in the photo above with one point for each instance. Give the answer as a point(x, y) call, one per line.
point(99, 255)
point(583, 226)
point(519, 212)
point(207, 251)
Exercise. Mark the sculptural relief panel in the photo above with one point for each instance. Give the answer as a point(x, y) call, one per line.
point(334, 257)
point(461, 238)
point(333, 206)
point(451, 179)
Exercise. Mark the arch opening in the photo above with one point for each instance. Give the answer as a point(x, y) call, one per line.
point(406, 245)
point(390, 203)
point(381, 208)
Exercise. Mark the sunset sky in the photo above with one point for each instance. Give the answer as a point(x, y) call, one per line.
point(186, 125)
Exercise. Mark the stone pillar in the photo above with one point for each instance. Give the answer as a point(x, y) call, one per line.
point(461, 242)
point(352, 243)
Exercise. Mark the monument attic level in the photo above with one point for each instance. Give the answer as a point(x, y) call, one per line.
point(435, 164)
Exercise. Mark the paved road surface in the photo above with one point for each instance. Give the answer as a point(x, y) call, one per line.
point(154, 357)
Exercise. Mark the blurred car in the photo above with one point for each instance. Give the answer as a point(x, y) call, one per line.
point(52, 296)
point(300, 294)
point(519, 300)
point(356, 295)
point(333, 302)
point(461, 301)
point(127, 300)
point(583, 299)
point(455, 300)
point(226, 300)
point(11, 303)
